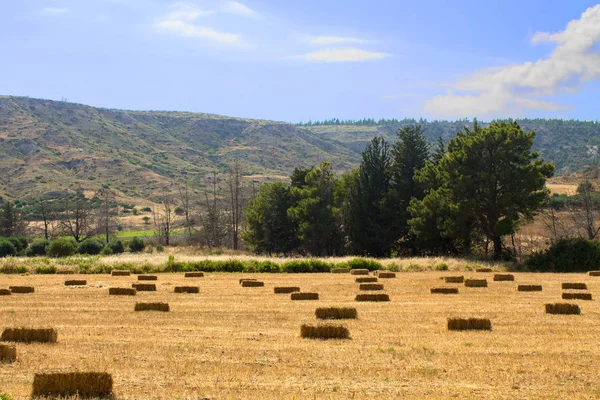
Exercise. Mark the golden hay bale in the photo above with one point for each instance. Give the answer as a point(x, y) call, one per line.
point(594, 273)
point(187, 289)
point(147, 277)
point(117, 291)
point(504, 277)
point(324, 331)
point(29, 335)
point(529, 288)
point(193, 275)
point(8, 353)
point(76, 282)
point(304, 296)
point(120, 272)
point(475, 282)
point(372, 297)
point(454, 279)
point(370, 286)
point(386, 274)
point(247, 279)
point(340, 270)
point(563, 308)
point(359, 271)
point(469, 324)
point(444, 290)
point(252, 283)
point(336, 313)
point(144, 287)
point(286, 289)
point(21, 289)
point(485, 269)
point(577, 296)
point(81, 384)
point(151, 307)
point(574, 286)
point(366, 279)
point(5, 292)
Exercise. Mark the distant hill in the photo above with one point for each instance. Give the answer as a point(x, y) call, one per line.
point(47, 146)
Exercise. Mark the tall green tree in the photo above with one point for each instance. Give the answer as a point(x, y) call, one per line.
point(11, 221)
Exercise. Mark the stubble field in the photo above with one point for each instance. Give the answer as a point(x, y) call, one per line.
point(233, 342)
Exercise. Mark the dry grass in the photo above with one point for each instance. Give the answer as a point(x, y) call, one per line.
point(80, 384)
point(476, 283)
point(366, 279)
point(359, 271)
point(144, 287)
point(372, 297)
point(444, 290)
point(340, 270)
point(252, 283)
point(574, 286)
point(454, 279)
point(529, 288)
point(504, 277)
point(286, 289)
point(147, 277)
point(5, 292)
point(151, 307)
point(336, 313)
point(76, 282)
point(194, 275)
point(386, 275)
point(230, 342)
point(469, 324)
point(120, 272)
point(577, 296)
point(370, 286)
point(22, 289)
point(563, 308)
point(29, 335)
point(324, 331)
point(116, 291)
point(304, 296)
point(187, 289)
point(8, 353)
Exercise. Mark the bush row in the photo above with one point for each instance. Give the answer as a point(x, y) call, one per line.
point(64, 247)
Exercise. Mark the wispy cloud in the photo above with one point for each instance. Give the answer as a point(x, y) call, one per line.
point(396, 96)
point(329, 40)
point(235, 7)
point(55, 10)
point(194, 31)
point(516, 88)
point(342, 55)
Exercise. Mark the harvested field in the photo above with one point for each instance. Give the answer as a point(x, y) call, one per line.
point(230, 342)
point(286, 289)
point(454, 279)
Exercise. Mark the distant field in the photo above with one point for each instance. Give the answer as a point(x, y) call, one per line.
point(230, 342)
point(147, 233)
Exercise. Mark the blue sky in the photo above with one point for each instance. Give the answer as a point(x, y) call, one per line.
point(300, 60)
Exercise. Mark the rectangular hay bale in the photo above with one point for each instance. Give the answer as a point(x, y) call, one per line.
point(324, 331)
point(147, 277)
point(504, 277)
point(454, 279)
point(120, 272)
point(247, 279)
point(286, 289)
point(563, 308)
point(22, 289)
point(476, 283)
point(252, 283)
point(187, 289)
point(29, 335)
point(574, 286)
point(76, 282)
point(5, 292)
point(372, 297)
point(144, 287)
point(151, 307)
point(193, 274)
point(444, 290)
point(82, 384)
point(336, 313)
point(304, 296)
point(386, 275)
point(117, 291)
point(484, 269)
point(529, 288)
point(577, 296)
point(359, 271)
point(469, 324)
point(594, 273)
point(8, 353)
point(366, 279)
point(340, 270)
point(370, 286)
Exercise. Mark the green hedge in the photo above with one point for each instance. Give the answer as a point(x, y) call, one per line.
point(568, 255)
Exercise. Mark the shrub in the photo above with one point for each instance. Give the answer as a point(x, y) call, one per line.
point(116, 246)
point(306, 266)
point(106, 251)
point(137, 245)
point(567, 255)
point(160, 248)
point(45, 269)
point(441, 267)
point(39, 247)
point(363, 263)
point(90, 247)
point(7, 248)
point(61, 248)
point(19, 242)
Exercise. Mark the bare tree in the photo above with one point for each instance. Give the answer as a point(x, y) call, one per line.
point(164, 217)
point(585, 210)
point(106, 212)
point(185, 204)
point(213, 228)
point(77, 217)
point(236, 197)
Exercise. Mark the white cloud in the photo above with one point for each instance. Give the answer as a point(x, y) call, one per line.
point(328, 40)
point(235, 7)
point(56, 10)
point(517, 88)
point(342, 55)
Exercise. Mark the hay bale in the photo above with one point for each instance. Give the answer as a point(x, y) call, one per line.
point(386, 275)
point(594, 273)
point(304, 296)
point(147, 277)
point(120, 272)
point(29, 335)
point(484, 269)
point(187, 289)
point(336, 313)
point(469, 324)
point(144, 287)
point(117, 291)
point(529, 288)
point(444, 290)
point(577, 296)
point(372, 297)
point(5, 292)
point(340, 270)
point(359, 271)
point(324, 331)
point(21, 289)
point(504, 277)
point(454, 279)
point(193, 275)
point(286, 289)
point(574, 286)
point(81, 384)
point(253, 283)
point(76, 282)
point(151, 307)
point(247, 280)
point(563, 308)
point(475, 282)
point(370, 286)
point(366, 279)
point(8, 353)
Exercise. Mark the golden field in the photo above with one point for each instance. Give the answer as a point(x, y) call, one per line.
point(233, 342)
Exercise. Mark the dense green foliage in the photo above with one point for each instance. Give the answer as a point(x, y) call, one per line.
point(116, 246)
point(136, 245)
point(61, 248)
point(7, 248)
point(91, 247)
point(38, 247)
point(567, 255)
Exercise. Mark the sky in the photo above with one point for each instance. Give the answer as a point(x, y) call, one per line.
point(301, 60)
